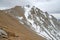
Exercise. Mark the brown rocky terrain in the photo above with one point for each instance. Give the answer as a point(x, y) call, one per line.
point(28, 23)
point(14, 29)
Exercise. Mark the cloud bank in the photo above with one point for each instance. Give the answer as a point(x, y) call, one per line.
point(51, 6)
point(45, 5)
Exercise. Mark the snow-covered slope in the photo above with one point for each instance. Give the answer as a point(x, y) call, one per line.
point(40, 22)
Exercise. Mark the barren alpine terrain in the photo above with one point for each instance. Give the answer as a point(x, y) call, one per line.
point(28, 23)
point(12, 29)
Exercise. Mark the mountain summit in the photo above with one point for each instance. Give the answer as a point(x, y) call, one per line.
point(29, 23)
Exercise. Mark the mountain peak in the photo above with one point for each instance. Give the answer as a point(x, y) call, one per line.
point(13, 27)
point(36, 21)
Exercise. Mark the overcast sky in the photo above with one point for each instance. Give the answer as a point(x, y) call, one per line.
point(51, 6)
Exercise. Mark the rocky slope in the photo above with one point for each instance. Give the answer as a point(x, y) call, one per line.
point(12, 29)
point(31, 22)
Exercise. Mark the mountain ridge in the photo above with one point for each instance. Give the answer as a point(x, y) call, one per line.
point(36, 21)
point(14, 29)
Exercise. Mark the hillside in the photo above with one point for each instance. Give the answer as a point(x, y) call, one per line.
point(14, 29)
point(28, 23)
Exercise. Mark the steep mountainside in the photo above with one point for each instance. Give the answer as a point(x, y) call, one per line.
point(11, 29)
point(31, 22)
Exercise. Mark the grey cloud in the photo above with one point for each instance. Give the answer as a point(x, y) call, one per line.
point(11, 3)
point(45, 5)
point(49, 6)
